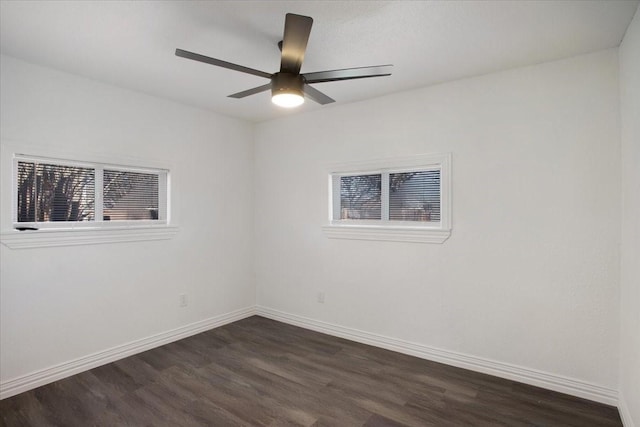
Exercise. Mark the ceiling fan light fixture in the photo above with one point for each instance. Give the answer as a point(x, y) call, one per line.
point(288, 99)
point(286, 90)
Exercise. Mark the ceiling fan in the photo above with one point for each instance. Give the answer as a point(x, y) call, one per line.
point(289, 87)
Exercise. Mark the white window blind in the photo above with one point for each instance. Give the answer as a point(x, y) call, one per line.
point(54, 193)
point(130, 196)
point(414, 196)
point(360, 197)
point(388, 196)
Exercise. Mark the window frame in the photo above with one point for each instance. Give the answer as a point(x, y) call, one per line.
point(67, 233)
point(385, 229)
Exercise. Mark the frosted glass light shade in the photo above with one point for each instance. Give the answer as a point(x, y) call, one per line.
point(287, 100)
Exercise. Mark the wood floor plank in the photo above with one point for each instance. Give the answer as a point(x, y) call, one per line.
point(259, 372)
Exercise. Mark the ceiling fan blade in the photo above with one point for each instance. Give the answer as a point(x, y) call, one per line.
point(253, 91)
point(348, 74)
point(294, 42)
point(220, 63)
point(317, 96)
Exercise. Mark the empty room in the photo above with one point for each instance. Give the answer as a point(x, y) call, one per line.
point(320, 213)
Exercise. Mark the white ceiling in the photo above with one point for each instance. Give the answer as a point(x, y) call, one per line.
point(131, 44)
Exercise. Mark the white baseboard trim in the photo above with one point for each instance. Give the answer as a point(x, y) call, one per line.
point(625, 415)
point(45, 376)
point(499, 369)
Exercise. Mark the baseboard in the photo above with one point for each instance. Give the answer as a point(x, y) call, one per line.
point(623, 409)
point(499, 369)
point(63, 370)
point(504, 370)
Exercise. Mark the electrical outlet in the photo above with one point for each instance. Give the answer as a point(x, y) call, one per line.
point(321, 297)
point(183, 300)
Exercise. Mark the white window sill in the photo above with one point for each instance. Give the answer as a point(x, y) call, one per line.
point(46, 238)
point(388, 233)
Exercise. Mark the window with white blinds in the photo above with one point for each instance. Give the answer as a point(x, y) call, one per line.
point(391, 199)
point(130, 196)
point(360, 197)
point(54, 193)
point(51, 193)
point(414, 196)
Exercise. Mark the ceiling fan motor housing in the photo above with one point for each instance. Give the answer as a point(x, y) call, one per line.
point(287, 83)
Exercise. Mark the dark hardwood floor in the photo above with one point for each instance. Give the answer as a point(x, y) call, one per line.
point(258, 372)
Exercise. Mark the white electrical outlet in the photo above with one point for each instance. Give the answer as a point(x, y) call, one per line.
point(183, 300)
point(321, 297)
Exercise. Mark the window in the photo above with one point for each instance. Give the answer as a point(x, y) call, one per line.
point(130, 196)
point(402, 199)
point(54, 193)
point(52, 196)
point(415, 196)
point(360, 196)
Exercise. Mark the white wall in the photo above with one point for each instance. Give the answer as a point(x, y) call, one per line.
point(59, 304)
point(530, 274)
point(630, 276)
